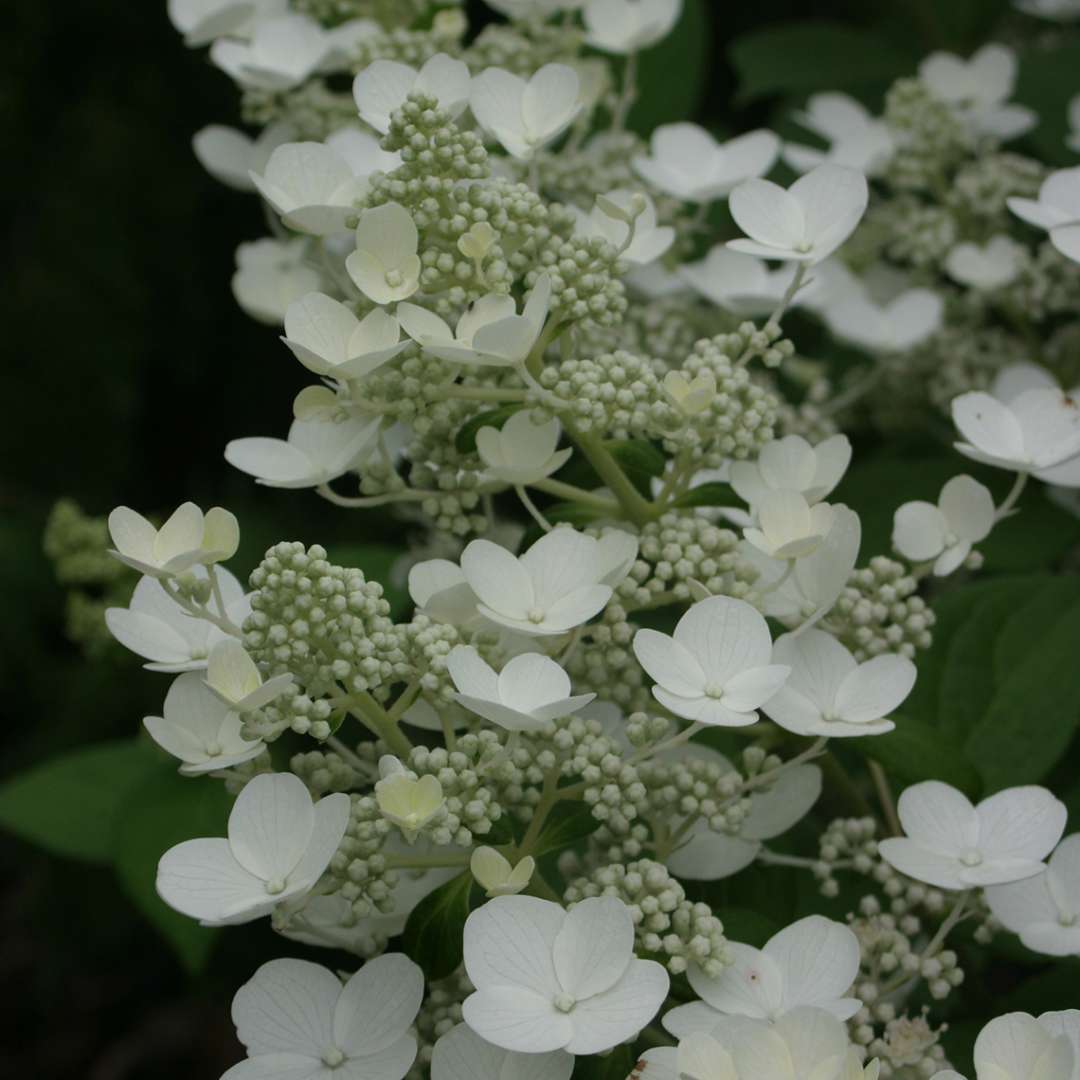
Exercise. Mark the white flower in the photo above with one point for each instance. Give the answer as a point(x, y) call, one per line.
point(992, 265)
point(409, 802)
point(807, 222)
point(1057, 210)
point(278, 846)
point(156, 628)
point(1016, 1046)
point(187, 539)
point(856, 138)
point(521, 452)
point(311, 187)
point(687, 162)
point(296, 1020)
point(829, 693)
point(788, 526)
point(978, 90)
point(362, 151)
point(690, 396)
point(1026, 424)
point(494, 872)
point(201, 21)
point(235, 679)
point(529, 692)
point(439, 589)
point(547, 979)
point(1045, 909)
point(716, 668)
point(792, 464)
point(708, 855)
point(489, 333)
point(743, 284)
point(945, 533)
point(628, 26)
point(282, 53)
point(811, 963)
point(896, 326)
point(462, 1055)
point(231, 156)
point(954, 845)
point(382, 87)
point(525, 115)
point(385, 266)
point(650, 240)
point(200, 729)
point(270, 275)
point(328, 339)
point(316, 452)
point(562, 581)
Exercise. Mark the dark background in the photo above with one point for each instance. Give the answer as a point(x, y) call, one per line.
point(127, 366)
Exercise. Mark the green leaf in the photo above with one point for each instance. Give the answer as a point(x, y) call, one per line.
point(661, 99)
point(1024, 628)
point(162, 812)
point(640, 460)
point(714, 494)
point(433, 932)
point(465, 439)
point(377, 562)
point(747, 926)
point(70, 805)
point(1046, 82)
point(1034, 711)
point(916, 751)
point(567, 823)
point(1046, 991)
point(574, 513)
point(616, 1065)
point(816, 54)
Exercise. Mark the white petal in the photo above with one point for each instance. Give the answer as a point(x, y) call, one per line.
point(832, 199)
point(202, 879)
point(752, 985)
point(1020, 823)
point(668, 663)
point(472, 675)
point(939, 817)
point(497, 578)
point(270, 825)
point(875, 689)
point(767, 214)
point(509, 942)
point(378, 1005)
point(331, 820)
point(517, 1019)
point(726, 636)
point(919, 531)
point(921, 863)
point(380, 89)
point(818, 960)
point(785, 803)
point(610, 1018)
point(594, 946)
point(988, 425)
point(749, 690)
point(530, 681)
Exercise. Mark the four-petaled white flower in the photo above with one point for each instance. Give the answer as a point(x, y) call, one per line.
point(807, 222)
point(547, 979)
point(187, 539)
point(461, 1054)
point(231, 156)
point(811, 963)
point(856, 139)
point(410, 802)
point(199, 729)
point(716, 668)
point(278, 846)
point(1057, 210)
point(382, 87)
point(529, 692)
point(628, 26)
point(270, 275)
point(385, 266)
point(945, 533)
point(992, 265)
point(829, 693)
point(610, 220)
point(525, 115)
point(743, 284)
point(953, 845)
point(497, 876)
point(1045, 909)
point(978, 90)
point(562, 581)
point(296, 1020)
point(316, 452)
point(792, 464)
point(1016, 1046)
point(281, 54)
point(156, 628)
point(896, 326)
point(235, 678)
point(521, 452)
point(1025, 424)
point(684, 160)
point(328, 339)
point(788, 526)
point(489, 333)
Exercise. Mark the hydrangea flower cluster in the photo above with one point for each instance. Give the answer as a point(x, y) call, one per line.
point(645, 638)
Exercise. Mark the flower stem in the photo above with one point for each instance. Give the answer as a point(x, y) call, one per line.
point(1012, 498)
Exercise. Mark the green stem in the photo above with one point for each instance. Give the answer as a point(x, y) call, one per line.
point(375, 718)
point(572, 493)
point(491, 394)
point(425, 862)
point(635, 506)
point(529, 505)
point(1012, 498)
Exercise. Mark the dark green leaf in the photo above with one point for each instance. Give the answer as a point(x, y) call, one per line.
point(1050, 990)
point(1046, 82)
point(567, 823)
point(1024, 628)
point(1034, 712)
point(707, 495)
point(640, 460)
point(465, 439)
point(916, 751)
point(433, 932)
point(747, 926)
point(661, 99)
point(574, 513)
point(163, 812)
point(816, 54)
point(70, 805)
point(616, 1065)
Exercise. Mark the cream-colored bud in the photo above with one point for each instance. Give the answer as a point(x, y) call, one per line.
point(494, 872)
